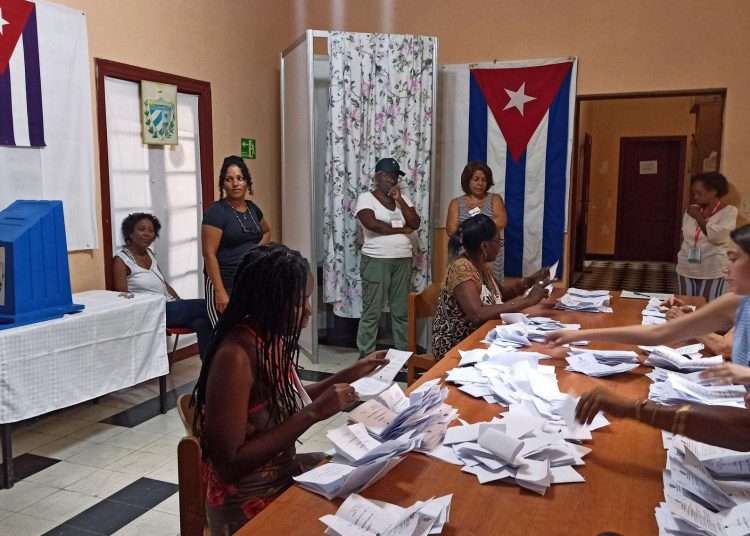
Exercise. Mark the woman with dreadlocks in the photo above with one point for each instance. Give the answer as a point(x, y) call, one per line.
point(250, 404)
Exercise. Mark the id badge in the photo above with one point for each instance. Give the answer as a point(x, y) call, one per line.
point(475, 211)
point(694, 255)
point(397, 224)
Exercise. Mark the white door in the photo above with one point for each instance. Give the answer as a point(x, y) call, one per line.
point(164, 181)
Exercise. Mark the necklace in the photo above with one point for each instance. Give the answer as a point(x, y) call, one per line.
point(244, 219)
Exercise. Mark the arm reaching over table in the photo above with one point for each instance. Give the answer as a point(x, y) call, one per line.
point(722, 426)
point(717, 315)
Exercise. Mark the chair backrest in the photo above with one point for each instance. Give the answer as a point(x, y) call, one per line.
point(420, 305)
point(192, 487)
point(187, 413)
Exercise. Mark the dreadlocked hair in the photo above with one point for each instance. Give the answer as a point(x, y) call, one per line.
point(268, 294)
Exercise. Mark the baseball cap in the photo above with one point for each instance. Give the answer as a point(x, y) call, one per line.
point(389, 165)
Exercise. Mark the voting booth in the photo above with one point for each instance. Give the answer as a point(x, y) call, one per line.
point(34, 274)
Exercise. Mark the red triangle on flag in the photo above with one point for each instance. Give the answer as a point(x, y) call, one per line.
point(519, 97)
point(15, 14)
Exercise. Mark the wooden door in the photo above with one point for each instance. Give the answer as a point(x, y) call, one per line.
point(649, 201)
point(579, 208)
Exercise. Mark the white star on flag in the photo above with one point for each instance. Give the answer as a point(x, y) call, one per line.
point(518, 98)
point(3, 22)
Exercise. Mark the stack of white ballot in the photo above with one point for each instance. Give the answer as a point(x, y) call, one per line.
point(674, 388)
point(599, 363)
point(684, 359)
point(653, 313)
point(381, 379)
point(391, 415)
point(358, 516)
point(520, 330)
point(706, 491)
point(385, 428)
point(588, 301)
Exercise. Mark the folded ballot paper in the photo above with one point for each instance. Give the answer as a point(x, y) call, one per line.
point(354, 445)
point(339, 480)
point(520, 330)
point(600, 363)
point(587, 363)
point(377, 382)
point(385, 428)
point(391, 414)
point(684, 359)
point(589, 301)
point(534, 445)
point(523, 448)
point(706, 490)
point(674, 388)
point(654, 313)
point(358, 516)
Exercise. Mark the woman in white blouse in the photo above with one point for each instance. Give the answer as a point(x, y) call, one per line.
point(706, 224)
point(135, 270)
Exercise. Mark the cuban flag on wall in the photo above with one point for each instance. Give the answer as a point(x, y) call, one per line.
point(21, 122)
point(518, 118)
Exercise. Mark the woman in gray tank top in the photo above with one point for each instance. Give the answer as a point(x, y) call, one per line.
point(476, 181)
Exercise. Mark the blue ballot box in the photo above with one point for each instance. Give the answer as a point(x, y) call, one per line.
point(34, 274)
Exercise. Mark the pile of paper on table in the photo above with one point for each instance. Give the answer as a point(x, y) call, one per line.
point(355, 446)
point(636, 295)
point(377, 382)
point(683, 359)
point(520, 330)
point(531, 445)
point(588, 301)
point(706, 490)
point(358, 516)
point(600, 363)
point(675, 388)
point(339, 480)
point(492, 379)
point(386, 428)
point(524, 447)
point(391, 414)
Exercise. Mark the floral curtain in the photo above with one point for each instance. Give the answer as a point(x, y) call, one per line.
point(381, 105)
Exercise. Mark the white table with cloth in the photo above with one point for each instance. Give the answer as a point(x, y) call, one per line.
point(114, 343)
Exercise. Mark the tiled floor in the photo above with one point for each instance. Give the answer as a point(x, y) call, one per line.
point(628, 275)
point(111, 467)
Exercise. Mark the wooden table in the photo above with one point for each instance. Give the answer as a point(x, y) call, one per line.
point(623, 472)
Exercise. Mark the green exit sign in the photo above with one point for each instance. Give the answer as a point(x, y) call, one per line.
point(247, 148)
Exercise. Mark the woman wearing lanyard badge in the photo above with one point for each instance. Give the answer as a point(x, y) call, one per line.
point(706, 224)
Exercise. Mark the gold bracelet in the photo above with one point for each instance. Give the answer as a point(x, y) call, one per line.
point(679, 420)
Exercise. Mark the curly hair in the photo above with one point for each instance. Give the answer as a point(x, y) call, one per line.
point(234, 160)
point(713, 180)
point(131, 220)
point(471, 233)
point(468, 172)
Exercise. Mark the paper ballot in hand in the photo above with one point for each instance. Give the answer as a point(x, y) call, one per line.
point(371, 386)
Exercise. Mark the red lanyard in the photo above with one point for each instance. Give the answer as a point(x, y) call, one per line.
point(698, 227)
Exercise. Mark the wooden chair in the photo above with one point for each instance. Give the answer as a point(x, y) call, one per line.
point(191, 484)
point(172, 357)
point(420, 305)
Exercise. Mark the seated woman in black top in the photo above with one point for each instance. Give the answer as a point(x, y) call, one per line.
point(231, 227)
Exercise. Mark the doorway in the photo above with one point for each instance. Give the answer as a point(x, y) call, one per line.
point(174, 183)
point(635, 154)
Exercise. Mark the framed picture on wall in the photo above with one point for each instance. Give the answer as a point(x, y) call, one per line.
point(158, 113)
